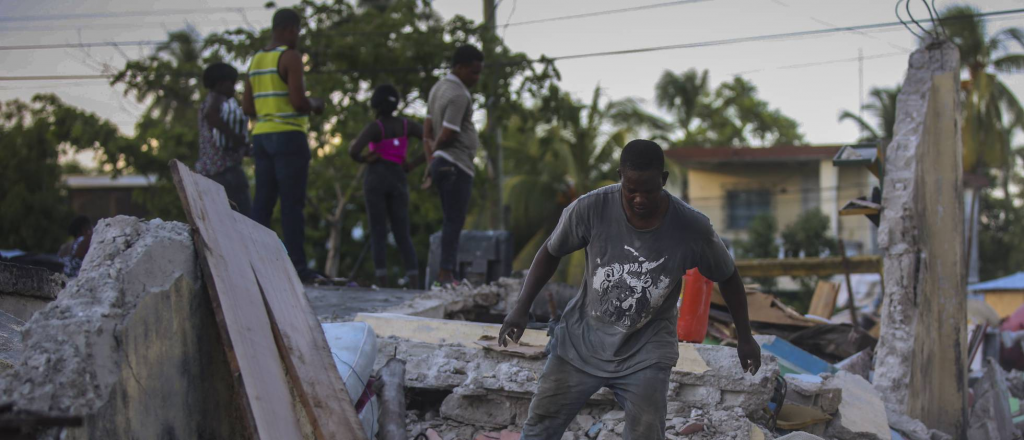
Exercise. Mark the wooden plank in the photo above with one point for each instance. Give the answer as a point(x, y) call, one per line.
point(300, 338)
point(241, 314)
point(799, 267)
point(823, 303)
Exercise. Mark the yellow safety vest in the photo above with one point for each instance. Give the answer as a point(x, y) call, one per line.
point(274, 112)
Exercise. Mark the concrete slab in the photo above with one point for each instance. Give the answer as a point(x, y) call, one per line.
point(861, 414)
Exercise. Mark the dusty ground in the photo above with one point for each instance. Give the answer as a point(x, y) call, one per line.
point(336, 303)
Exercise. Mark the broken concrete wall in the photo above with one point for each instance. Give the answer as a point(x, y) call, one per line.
point(132, 343)
point(25, 290)
point(474, 372)
point(922, 208)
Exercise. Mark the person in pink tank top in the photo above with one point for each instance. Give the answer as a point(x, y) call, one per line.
point(384, 183)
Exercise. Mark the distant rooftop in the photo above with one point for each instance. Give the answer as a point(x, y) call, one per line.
point(1010, 282)
point(781, 153)
point(108, 182)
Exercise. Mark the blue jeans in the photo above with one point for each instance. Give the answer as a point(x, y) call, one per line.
point(455, 187)
point(282, 169)
point(387, 201)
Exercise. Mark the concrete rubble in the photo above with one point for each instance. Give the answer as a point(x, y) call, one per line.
point(131, 344)
point(861, 414)
point(990, 416)
point(25, 290)
point(496, 298)
point(814, 391)
point(10, 340)
point(912, 429)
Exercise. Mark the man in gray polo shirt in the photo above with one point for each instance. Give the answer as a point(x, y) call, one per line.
point(449, 134)
point(619, 331)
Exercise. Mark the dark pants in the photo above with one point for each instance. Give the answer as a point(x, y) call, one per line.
point(563, 389)
point(387, 201)
point(282, 169)
point(454, 186)
point(236, 185)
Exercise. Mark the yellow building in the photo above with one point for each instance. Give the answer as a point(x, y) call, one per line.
point(733, 185)
point(1005, 295)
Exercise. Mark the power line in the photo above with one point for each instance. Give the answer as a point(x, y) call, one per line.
point(599, 13)
point(822, 63)
point(711, 43)
point(52, 77)
point(85, 45)
point(602, 54)
point(107, 26)
point(126, 14)
point(772, 36)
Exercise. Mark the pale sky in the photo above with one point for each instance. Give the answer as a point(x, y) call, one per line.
point(813, 95)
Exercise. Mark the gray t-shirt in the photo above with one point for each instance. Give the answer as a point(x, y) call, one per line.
point(450, 105)
point(624, 317)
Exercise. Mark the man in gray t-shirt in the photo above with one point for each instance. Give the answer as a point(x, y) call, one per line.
point(450, 137)
point(619, 332)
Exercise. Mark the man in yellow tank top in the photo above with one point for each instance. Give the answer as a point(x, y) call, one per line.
point(275, 97)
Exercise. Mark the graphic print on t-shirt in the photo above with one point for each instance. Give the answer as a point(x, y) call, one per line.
point(628, 292)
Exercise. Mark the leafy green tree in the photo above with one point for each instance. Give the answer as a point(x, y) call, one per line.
point(882, 108)
point(1000, 237)
point(730, 116)
point(35, 210)
point(760, 243)
point(349, 49)
point(577, 147)
point(808, 236)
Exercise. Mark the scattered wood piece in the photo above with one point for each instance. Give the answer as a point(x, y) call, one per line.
point(794, 417)
point(299, 336)
point(523, 350)
point(265, 319)
point(392, 411)
point(240, 311)
point(801, 267)
point(823, 303)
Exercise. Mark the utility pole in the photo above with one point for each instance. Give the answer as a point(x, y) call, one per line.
point(495, 154)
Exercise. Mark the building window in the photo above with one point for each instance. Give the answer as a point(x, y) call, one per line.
point(743, 206)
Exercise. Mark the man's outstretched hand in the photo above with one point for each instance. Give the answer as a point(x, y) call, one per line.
point(749, 353)
point(513, 327)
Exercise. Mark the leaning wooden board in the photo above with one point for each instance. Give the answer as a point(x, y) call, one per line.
point(241, 313)
point(299, 335)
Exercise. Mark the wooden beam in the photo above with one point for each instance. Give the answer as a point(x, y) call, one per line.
point(300, 338)
point(800, 267)
point(267, 319)
point(238, 305)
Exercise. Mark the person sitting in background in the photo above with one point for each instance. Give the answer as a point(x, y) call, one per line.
point(385, 184)
point(223, 135)
point(81, 230)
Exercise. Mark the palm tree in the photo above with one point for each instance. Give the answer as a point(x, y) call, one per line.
point(883, 108)
point(731, 116)
point(578, 149)
point(683, 94)
point(991, 110)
